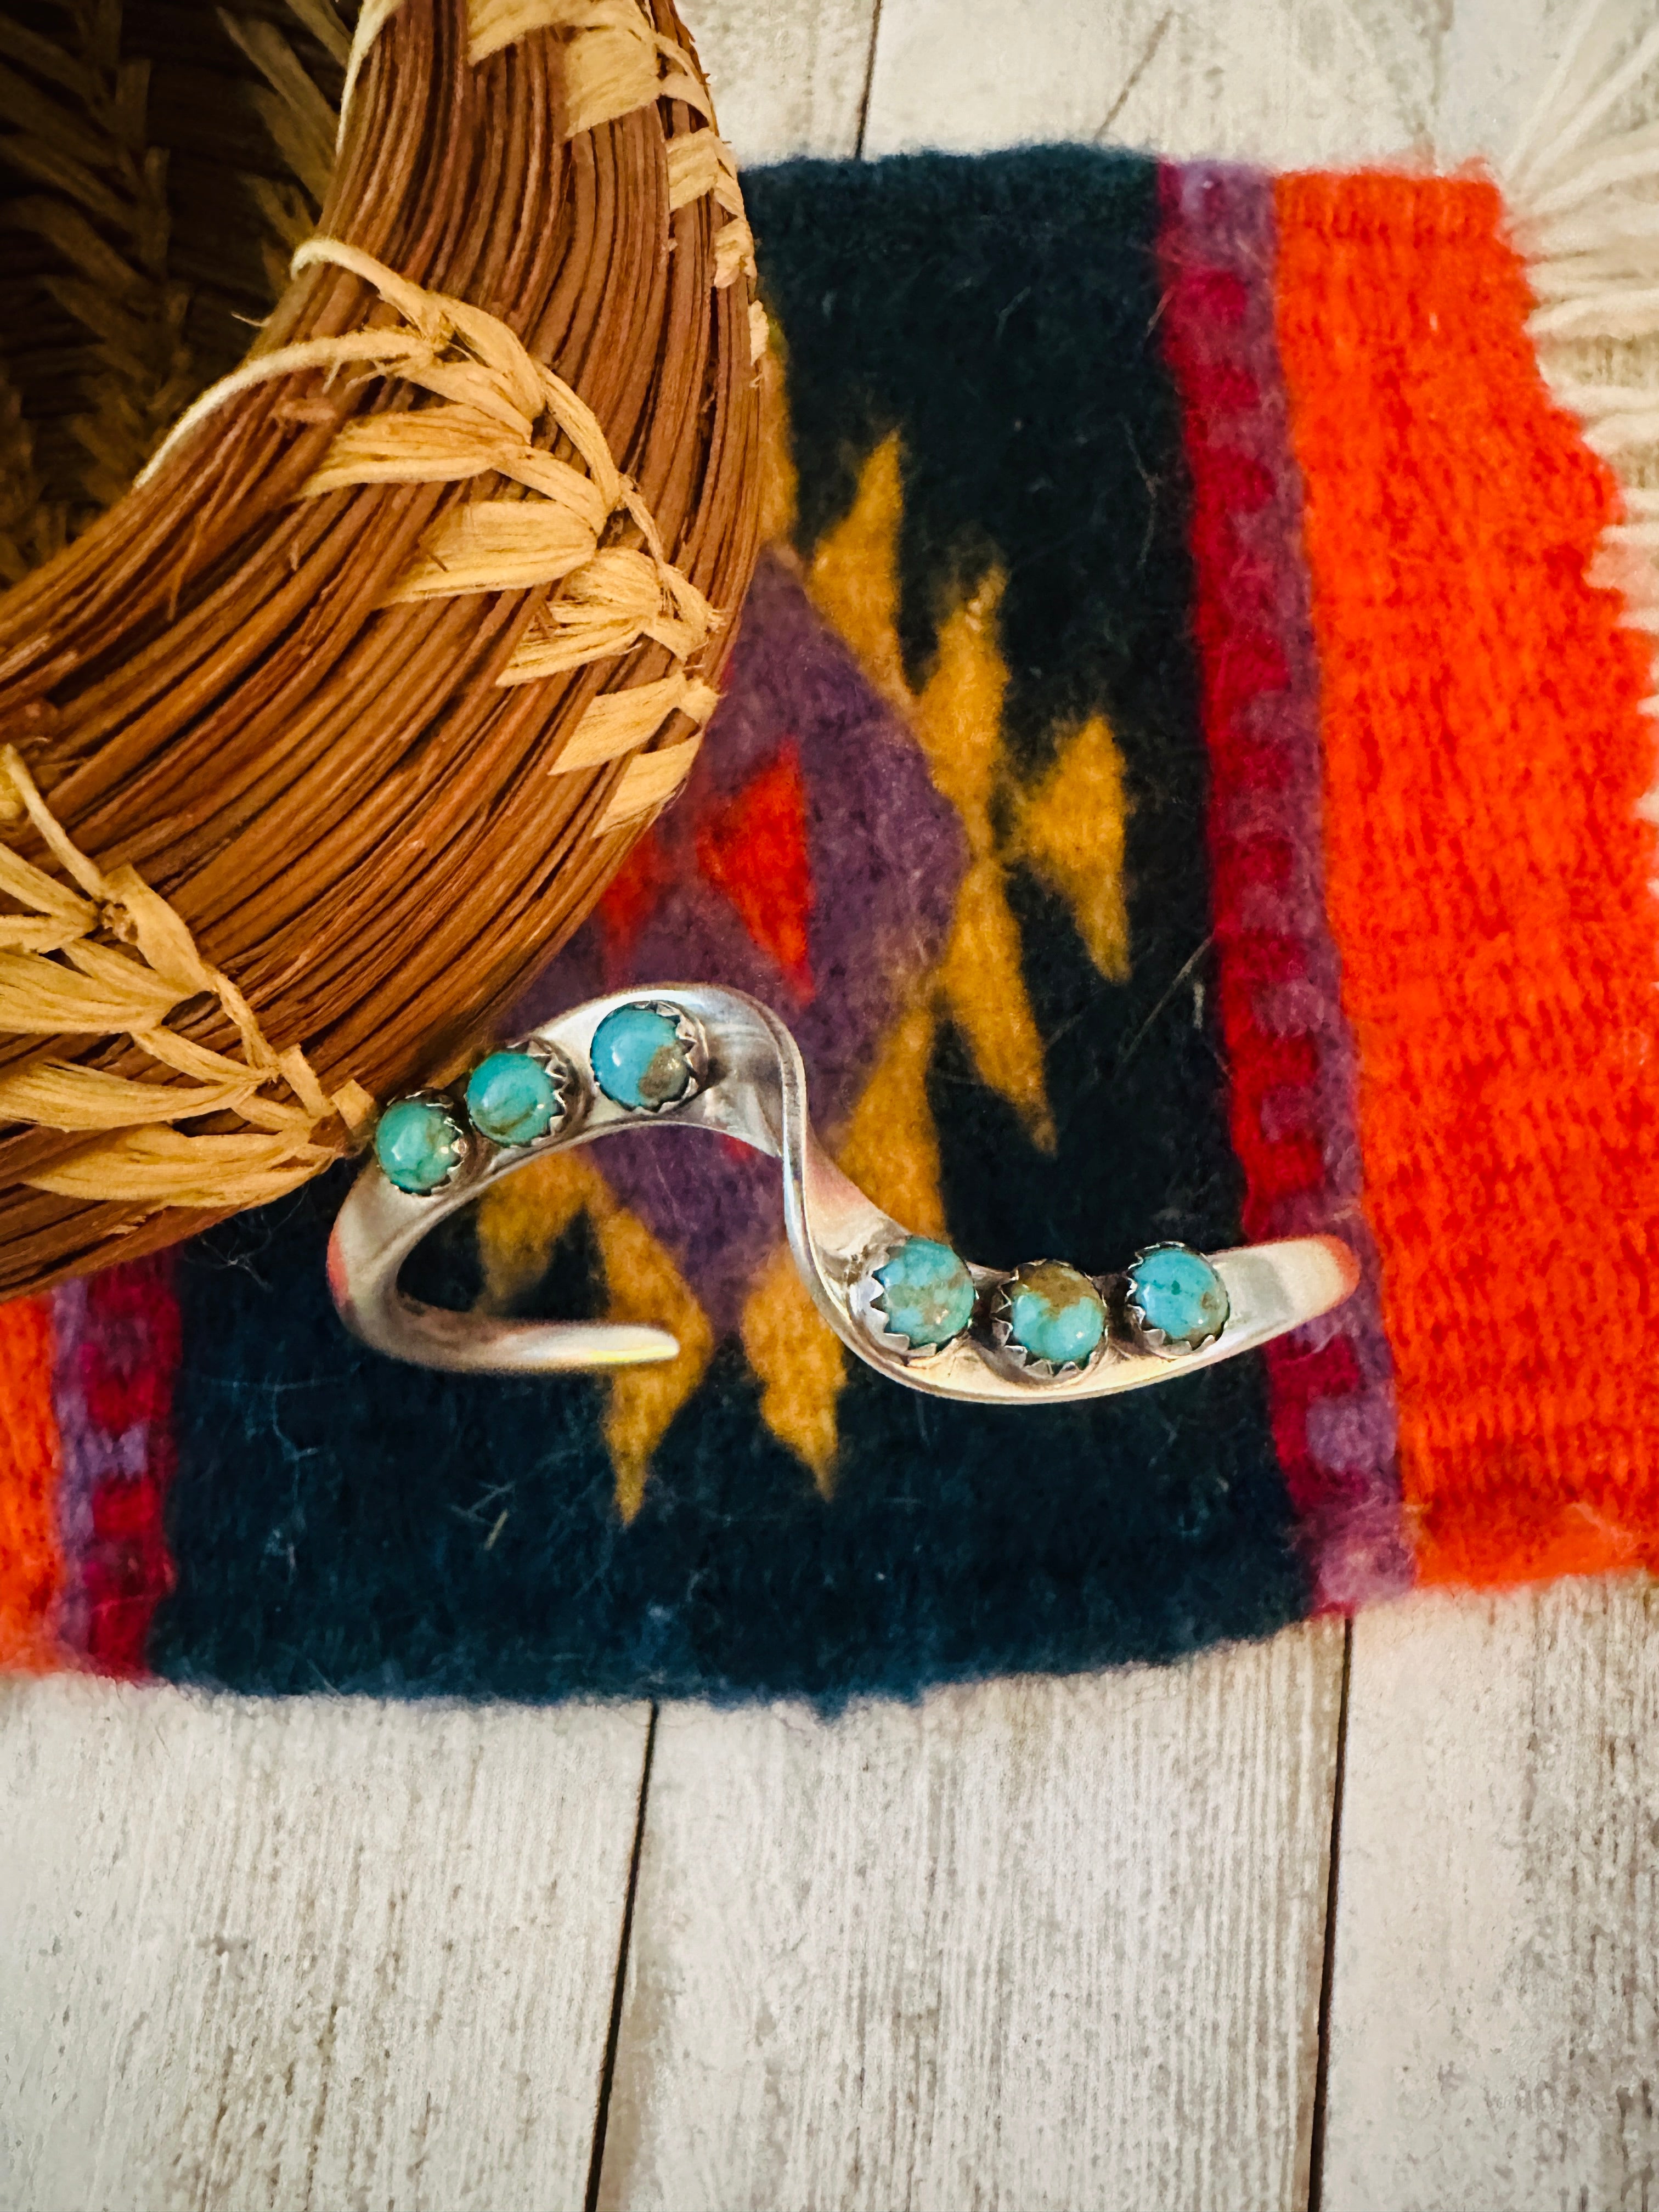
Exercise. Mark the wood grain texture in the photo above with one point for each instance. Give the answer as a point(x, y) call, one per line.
point(1036, 1943)
point(311, 1953)
point(1495, 2011)
point(1289, 82)
point(787, 78)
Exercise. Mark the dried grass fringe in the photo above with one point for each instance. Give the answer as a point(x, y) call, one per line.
point(54, 976)
point(496, 401)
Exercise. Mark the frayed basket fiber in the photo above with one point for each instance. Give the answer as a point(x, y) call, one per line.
point(321, 732)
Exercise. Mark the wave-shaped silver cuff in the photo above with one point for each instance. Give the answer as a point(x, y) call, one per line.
point(695, 1056)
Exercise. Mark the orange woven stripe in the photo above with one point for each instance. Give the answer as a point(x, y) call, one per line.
point(31, 1559)
point(1488, 883)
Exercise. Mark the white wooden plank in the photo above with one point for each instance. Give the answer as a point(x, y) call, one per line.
point(1495, 2010)
point(787, 78)
point(1270, 80)
point(309, 1954)
point(1289, 83)
point(1037, 1943)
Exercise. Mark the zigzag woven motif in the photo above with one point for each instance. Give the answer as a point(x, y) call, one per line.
point(1180, 778)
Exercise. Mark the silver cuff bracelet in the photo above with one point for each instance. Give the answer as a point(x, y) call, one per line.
point(696, 1056)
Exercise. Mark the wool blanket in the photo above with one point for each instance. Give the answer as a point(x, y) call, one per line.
point(1181, 777)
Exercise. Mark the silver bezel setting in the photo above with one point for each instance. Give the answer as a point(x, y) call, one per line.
point(867, 1302)
point(1026, 1363)
point(573, 1093)
point(1157, 1340)
point(690, 1031)
point(463, 1121)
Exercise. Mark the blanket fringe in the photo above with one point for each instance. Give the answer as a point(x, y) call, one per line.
point(1583, 185)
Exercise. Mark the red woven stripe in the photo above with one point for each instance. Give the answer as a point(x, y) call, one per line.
point(117, 1362)
point(1289, 1054)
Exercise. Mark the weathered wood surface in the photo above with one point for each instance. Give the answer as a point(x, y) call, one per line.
point(787, 78)
point(315, 1954)
point(1494, 2039)
point(1289, 83)
point(1032, 1944)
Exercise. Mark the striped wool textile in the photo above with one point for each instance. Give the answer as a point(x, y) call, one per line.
point(1183, 775)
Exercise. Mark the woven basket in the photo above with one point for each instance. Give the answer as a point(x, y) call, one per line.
point(341, 718)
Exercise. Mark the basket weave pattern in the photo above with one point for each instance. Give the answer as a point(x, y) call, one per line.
point(411, 625)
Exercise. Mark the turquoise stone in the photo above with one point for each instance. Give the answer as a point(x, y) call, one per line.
point(639, 1058)
point(417, 1142)
point(1055, 1313)
point(1179, 1292)
point(512, 1098)
point(929, 1293)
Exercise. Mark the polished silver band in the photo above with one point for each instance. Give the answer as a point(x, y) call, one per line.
point(705, 1057)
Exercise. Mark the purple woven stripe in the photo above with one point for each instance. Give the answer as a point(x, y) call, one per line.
point(1334, 1381)
point(85, 1458)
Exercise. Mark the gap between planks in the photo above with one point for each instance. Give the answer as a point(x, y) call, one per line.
point(1327, 1960)
point(264, 1953)
point(869, 80)
point(608, 2067)
point(1039, 1942)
